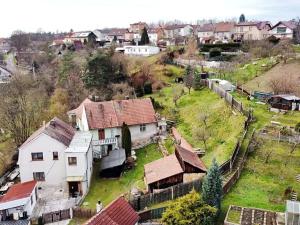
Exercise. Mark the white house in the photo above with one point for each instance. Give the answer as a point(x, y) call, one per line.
point(257, 30)
point(206, 32)
point(19, 201)
point(224, 30)
point(50, 156)
point(283, 29)
point(183, 30)
point(105, 119)
point(142, 50)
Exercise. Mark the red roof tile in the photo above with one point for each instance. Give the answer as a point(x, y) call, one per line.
point(224, 27)
point(119, 212)
point(19, 191)
point(190, 158)
point(113, 113)
point(162, 169)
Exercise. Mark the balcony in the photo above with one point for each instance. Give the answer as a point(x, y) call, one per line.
point(106, 141)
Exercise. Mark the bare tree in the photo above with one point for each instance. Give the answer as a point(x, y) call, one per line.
point(201, 134)
point(203, 116)
point(177, 93)
point(22, 108)
point(283, 85)
point(122, 91)
point(192, 47)
point(284, 49)
point(189, 77)
point(20, 40)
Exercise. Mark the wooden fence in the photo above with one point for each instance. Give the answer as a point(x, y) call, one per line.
point(237, 173)
point(141, 202)
point(83, 213)
point(56, 216)
point(151, 214)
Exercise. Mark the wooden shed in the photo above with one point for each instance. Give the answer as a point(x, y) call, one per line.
point(284, 102)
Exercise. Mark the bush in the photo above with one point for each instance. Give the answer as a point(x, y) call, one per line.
point(215, 52)
point(148, 88)
point(225, 47)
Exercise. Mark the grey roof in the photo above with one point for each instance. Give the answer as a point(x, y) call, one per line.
point(288, 97)
point(115, 158)
point(293, 207)
point(13, 222)
point(80, 143)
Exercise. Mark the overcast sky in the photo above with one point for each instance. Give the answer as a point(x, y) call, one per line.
point(62, 15)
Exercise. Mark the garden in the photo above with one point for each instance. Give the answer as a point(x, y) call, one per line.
point(106, 190)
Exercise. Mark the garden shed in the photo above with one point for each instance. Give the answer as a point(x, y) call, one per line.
point(284, 102)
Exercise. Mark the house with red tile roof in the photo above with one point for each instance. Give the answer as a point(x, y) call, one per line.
point(56, 155)
point(224, 30)
point(19, 201)
point(105, 119)
point(173, 169)
point(284, 29)
point(119, 212)
point(252, 30)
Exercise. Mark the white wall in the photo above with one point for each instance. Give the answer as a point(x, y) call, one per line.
point(287, 34)
point(205, 34)
point(54, 170)
point(141, 50)
point(137, 135)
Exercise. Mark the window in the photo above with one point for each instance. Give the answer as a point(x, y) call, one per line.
point(281, 30)
point(72, 161)
point(142, 127)
point(39, 176)
point(55, 155)
point(37, 156)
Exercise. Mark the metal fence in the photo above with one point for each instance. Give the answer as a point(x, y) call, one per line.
point(141, 202)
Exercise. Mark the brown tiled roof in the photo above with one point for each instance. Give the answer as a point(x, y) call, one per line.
point(113, 113)
point(190, 158)
point(162, 169)
point(181, 140)
point(224, 26)
point(119, 212)
point(19, 191)
point(259, 24)
point(175, 26)
point(57, 129)
point(209, 27)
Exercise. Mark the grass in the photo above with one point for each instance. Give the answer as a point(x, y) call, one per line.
point(234, 216)
point(107, 190)
point(169, 145)
point(224, 127)
point(77, 221)
point(262, 185)
point(249, 71)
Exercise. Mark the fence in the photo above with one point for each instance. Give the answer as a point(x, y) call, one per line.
point(236, 175)
point(151, 214)
point(141, 202)
point(56, 216)
point(83, 213)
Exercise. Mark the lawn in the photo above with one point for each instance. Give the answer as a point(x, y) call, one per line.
point(249, 71)
point(107, 190)
point(223, 126)
point(262, 185)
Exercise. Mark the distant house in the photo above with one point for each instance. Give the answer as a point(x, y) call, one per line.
point(175, 30)
point(173, 169)
point(206, 32)
point(119, 212)
point(284, 102)
point(83, 36)
point(142, 50)
point(258, 30)
point(19, 202)
point(56, 155)
point(4, 45)
point(283, 29)
point(155, 34)
point(224, 30)
point(116, 33)
point(138, 27)
point(105, 119)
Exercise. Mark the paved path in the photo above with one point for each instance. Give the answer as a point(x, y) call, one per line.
point(64, 222)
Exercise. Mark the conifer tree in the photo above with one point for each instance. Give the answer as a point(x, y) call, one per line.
point(145, 38)
point(126, 140)
point(212, 186)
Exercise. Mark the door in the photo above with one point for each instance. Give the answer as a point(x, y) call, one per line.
point(101, 134)
point(73, 189)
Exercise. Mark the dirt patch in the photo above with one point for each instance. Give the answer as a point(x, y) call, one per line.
point(262, 82)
